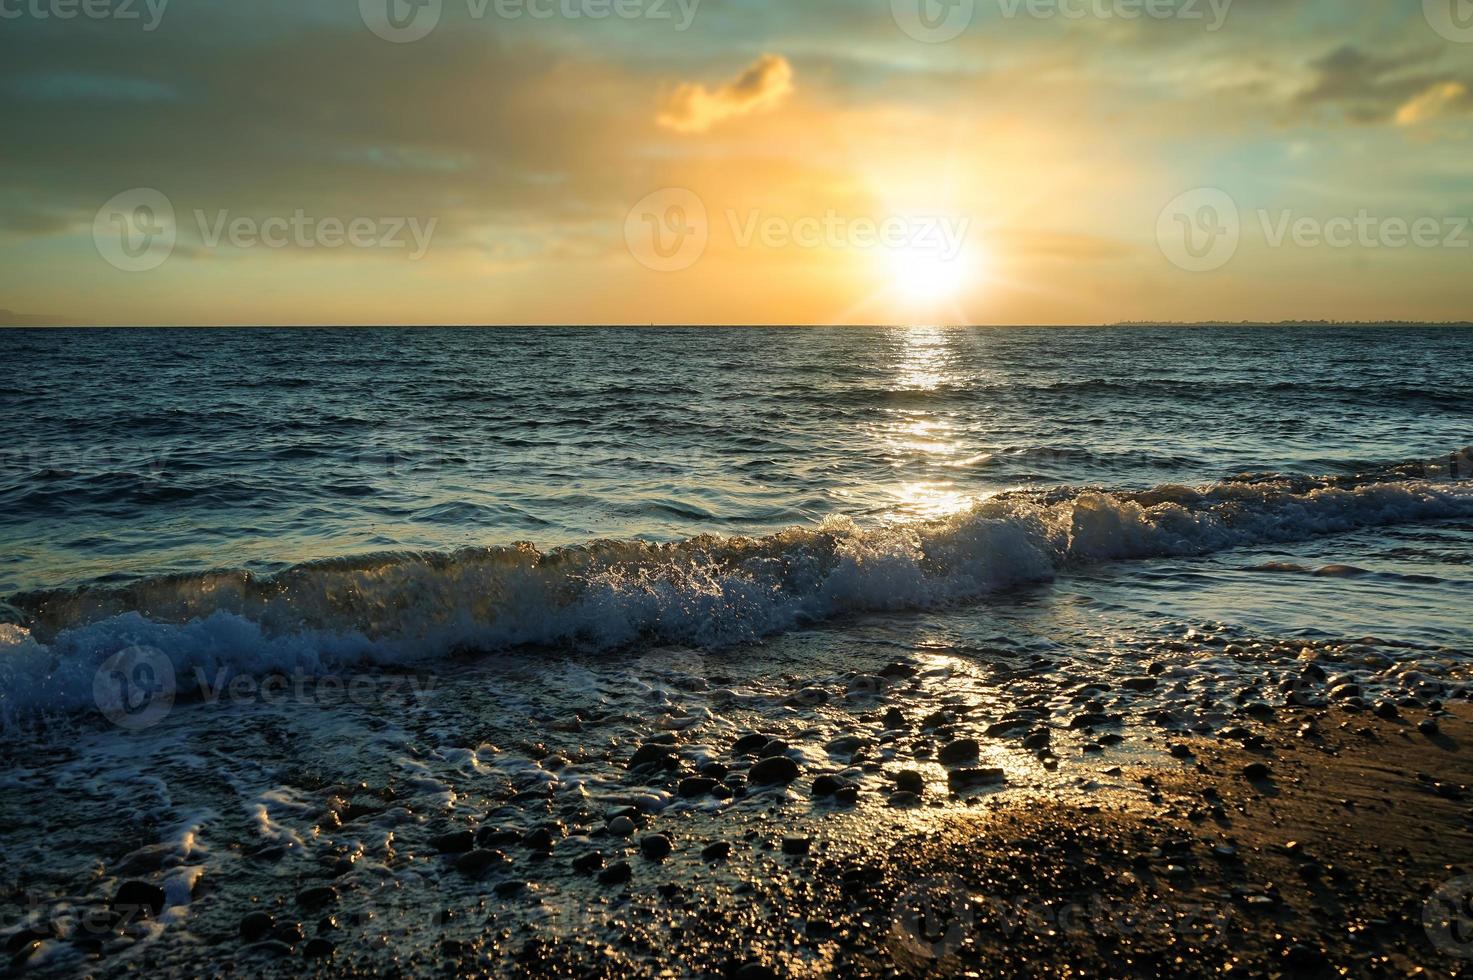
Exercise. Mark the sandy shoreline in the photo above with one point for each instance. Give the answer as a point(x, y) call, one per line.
point(1184, 867)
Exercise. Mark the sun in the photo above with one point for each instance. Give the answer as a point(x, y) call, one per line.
point(924, 275)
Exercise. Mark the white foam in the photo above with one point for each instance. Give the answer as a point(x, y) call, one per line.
point(705, 592)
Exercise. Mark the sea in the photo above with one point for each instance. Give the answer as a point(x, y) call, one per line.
point(282, 604)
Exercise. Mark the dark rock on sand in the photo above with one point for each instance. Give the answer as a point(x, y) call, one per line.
point(1094, 719)
point(904, 799)
point(846, 744)
point(776, 769)
point(774, 747)
point(894, 718)
point(317, 896)
point(1139, 683)
point(140, 896)
point(955, 753)
point(481, 862)
point(656, 847)
point(256, 926)
point(318, 948)
point(540, 840)
point(694, 786)
point(749, 743)
point(827, 785)
point(797, 845)
point(652, 756)
point(615, 874)
point(588, 863)
point(910, 781)
point(847, 795)
point(1427, 726)
point(457, 842)
point(496, 837)
point(1257, 771)
point(962, 779)
point(290, 933)
point(716, 851)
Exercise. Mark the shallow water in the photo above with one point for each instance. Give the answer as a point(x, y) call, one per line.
point(257, 579)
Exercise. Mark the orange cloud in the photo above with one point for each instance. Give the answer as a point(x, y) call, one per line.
point(1437, 101)
point(693, 108)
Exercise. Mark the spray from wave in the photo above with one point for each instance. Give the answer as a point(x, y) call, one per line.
point(705, 591)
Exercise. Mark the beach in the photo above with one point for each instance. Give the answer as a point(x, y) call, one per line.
point(961, 661)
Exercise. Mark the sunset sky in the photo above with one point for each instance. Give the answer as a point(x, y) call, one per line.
point(735, 161)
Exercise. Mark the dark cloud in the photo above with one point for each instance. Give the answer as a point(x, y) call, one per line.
point(1373, 88)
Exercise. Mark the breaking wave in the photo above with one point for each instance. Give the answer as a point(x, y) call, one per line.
point(406, 608)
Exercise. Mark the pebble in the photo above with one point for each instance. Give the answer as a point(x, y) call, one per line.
point(960, 779)
point(621, 827)
point(1387, 709)
point(481, 861)
point(716, 851)
point(1428, 726)
point(797, 845)
point(693, 786)
point(959, 751)
point(457, 842)
point(1180, 751)
point(656, 847)
point(539, 840)
point(1257, 771)
point(139, 895)
point(256, 926)
point(910, 781)
point(317, 948)
point(615, 874)
point(903, 799)
point(827, 785)
point(777, 769)
point(496, 837)
point(1037, 739)
point(588, 863)
point(749, 743)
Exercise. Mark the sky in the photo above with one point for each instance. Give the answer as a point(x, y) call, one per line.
point(734, 161)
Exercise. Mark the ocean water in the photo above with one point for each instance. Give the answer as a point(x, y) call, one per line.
point(400, 493)
point(536, 549)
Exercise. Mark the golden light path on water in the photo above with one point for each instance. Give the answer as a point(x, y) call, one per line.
point(916, 438)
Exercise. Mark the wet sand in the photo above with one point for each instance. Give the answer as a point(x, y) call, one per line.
point(1193, 865)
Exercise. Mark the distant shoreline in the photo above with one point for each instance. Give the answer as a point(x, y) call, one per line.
point(44, 323)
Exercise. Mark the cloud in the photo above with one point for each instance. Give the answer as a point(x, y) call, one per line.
point(1371, 88)
point(10, 318)
point(1442, 99)
point(693, 108)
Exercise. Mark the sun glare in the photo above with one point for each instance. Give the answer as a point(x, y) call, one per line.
point(927, 275)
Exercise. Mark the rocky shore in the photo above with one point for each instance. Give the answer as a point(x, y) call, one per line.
point(927, 815)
